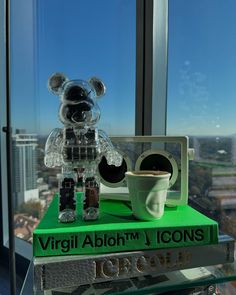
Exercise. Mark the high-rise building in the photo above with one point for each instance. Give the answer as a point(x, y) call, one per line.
point(24, 148)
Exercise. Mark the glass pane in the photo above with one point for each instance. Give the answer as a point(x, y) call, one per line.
point(81, 39)
point(201, 100)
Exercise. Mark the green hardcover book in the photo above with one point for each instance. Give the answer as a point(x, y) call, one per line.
point(117, 230)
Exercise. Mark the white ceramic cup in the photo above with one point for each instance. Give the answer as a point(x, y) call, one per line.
point(148, 191)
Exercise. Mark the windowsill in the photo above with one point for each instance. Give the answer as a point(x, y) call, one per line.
point(23, 248)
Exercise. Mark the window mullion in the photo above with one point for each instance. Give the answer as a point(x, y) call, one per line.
point(151, 67)
point(139, 109)
point(160, 67)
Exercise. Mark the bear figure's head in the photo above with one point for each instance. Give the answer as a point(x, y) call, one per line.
point(79, 106)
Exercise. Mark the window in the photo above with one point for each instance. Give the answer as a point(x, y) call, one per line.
point(81, 39)
point(201, 98)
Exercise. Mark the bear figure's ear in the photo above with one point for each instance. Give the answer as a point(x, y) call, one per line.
point(55, 83)
point(98, 85)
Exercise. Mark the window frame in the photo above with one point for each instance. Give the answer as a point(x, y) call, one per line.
point(151, 67)
point(3, 179)
point(3, 190)
point(25, 251)
point(14, 261)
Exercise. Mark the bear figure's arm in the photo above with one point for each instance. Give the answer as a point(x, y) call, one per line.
point(111, 154)
point(53, 148)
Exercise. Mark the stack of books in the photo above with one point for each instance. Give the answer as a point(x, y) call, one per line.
point(117, 246)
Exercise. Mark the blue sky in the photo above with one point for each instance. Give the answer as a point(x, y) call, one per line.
point(202, 67)
point(87, 38)
point(81, 39)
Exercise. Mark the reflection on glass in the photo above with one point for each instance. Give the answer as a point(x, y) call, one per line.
point(201, 100)
point(77, 37)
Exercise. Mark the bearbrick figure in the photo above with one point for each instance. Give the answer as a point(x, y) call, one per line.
point(79, 146)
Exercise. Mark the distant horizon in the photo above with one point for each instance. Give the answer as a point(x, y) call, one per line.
point(131, 135)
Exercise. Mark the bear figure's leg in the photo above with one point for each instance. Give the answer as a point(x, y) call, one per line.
point(91, 199)
point(67, 201)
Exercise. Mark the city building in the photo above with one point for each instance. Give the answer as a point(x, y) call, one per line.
point(24, 148)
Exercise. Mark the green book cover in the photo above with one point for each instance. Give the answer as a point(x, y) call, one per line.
point(117, 230)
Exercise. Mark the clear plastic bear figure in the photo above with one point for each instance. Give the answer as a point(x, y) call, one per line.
point(79, 146)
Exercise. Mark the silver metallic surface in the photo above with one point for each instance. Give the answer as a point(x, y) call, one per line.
point(68, 271)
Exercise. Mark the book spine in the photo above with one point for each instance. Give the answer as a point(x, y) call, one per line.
point(124, 240)
point(69, 271)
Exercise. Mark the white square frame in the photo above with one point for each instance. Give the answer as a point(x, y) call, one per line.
point(186, 154)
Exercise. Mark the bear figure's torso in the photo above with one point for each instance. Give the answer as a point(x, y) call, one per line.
point(80, 147)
